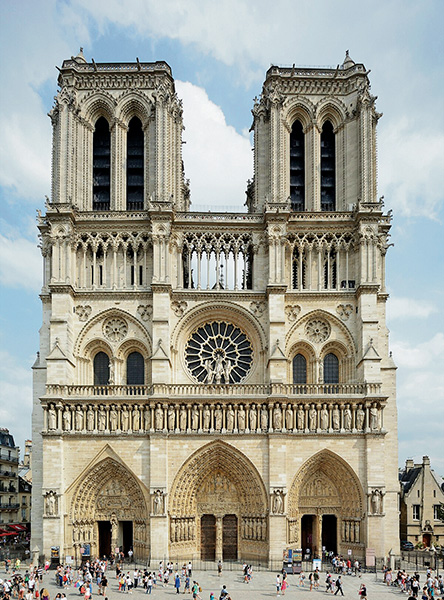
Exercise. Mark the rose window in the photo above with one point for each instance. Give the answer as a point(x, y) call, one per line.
point(317, 330)
point(219, 352)
point(115, 329)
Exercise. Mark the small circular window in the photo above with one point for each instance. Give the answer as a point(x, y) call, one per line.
point(219, 352)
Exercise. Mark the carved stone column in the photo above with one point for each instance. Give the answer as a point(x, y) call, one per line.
point(219, 538)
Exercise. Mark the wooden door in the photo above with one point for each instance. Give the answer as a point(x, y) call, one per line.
point(208, 537)
point(229, 537)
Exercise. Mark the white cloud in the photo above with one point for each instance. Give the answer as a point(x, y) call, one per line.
point(409, 308)
point(20, 263)
point(411, 167)
point(218, 160)
point(15, 397)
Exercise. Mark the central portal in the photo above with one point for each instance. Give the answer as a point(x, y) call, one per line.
point(208, 537)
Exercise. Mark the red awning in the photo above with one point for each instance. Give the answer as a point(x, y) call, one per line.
point(8, 533)
point(17, 527)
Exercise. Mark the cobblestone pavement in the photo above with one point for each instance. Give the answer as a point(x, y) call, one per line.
point(261, 586)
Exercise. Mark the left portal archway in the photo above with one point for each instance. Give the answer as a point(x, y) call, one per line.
point(218, 502)
point(109, 510)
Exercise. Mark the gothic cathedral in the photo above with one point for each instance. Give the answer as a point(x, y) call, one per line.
point(214, 385)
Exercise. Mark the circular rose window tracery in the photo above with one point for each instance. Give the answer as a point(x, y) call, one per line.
point(317, 330)
point(115, 329)
point(219, 352)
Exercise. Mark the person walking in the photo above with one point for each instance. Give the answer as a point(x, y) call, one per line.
point(278, 584)
point(177, 583)
point(363, 592)
point(339, 586)
point(219, 569)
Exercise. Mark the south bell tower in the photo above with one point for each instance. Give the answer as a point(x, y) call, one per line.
point(213, 385)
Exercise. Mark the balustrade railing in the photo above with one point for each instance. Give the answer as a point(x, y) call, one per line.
point(232, 390)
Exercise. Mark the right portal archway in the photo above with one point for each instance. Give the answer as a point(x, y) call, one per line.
point(326, 507)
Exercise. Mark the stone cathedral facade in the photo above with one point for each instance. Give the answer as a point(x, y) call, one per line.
point(213, 385)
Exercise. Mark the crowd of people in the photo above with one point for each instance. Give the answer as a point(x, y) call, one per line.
point(431, 589)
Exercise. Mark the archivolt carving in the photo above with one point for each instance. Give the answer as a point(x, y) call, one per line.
point(97, 105)
point(326, 480)
point(217, 467)
point(331, 109)
point(108, 488)
point(134, 104)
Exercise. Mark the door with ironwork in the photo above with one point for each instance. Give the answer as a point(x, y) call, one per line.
point(229, 537)
point(208, 537)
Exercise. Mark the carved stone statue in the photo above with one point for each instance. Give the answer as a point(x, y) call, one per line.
point(277, 417)
point(336, 418)
point(360, 418)
point(264, 418)
point(113, 418)
point(347, 418)
point(147, 418)
point(376, 502)
point(135, 418)
point(374, 418)
point(67, 419)
point(230, 418)
point(278, 502)
point(159, 417)
point(171, 417)
point(158, 503)
point(114, 530)
point(111, 379)
point(195, 418)
point(241, 418)
point(357, 532)
point(102, 419)
point(52, 418)
point(90, 419)
point(218, 418)
point(301, 418)
point(124, 418)
point(183, 418)
point(289, 418)
point(206, 418)
point(253, 418)
point(51, 507)
point(210, 375)
point(324, 417)
point(312, 416)
point(79, 418)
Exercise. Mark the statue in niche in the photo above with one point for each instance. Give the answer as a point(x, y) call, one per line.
point(241, 418)
point(67, 419)
point(113, 418)
point(111, 378)
point(277, 417)
point(264, 418)
point(136, 418)
point(158, 503)
point(289, 417)
point(171, 417)
point(206, 417)
point(301, 418)
point(124, 417)
point(195, 418)
point(374, 418)
point(90, 418)
point(376, 502)
point(336, 418)
point(312, 416)
point(183, 418)
point(324, 417)
point(218, 418)
point(51, 504)
point(278, 502)
point(114, 530)
point(102, 418)
point(347, 418)
point(79, 418)
point(230, 418)
point(147, 418)
point(253, 418)
point(52, 418)
point(159, 417)
point(357, 533)
point(360, 418)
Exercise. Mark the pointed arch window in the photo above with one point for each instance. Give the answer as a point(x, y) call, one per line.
point(134, 166)
point(135, 369)
point(297, 167)
point(331, 368)
point(101, 369)
point(298, 269)
point(328, 168)
point(101, 165)
point(299, 369)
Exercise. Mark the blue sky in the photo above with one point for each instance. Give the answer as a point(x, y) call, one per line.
point(219, 52)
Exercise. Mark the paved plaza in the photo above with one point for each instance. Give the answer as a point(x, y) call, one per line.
point(261, 586)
